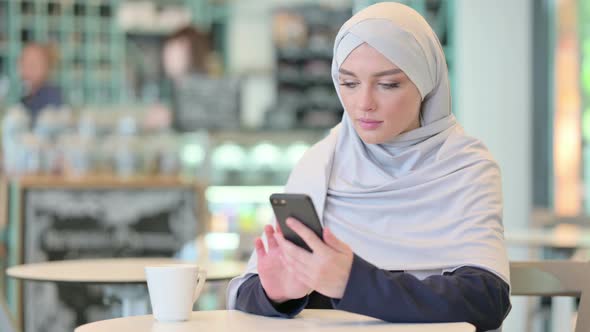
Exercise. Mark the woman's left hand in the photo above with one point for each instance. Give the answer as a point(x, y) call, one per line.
point(326, 269)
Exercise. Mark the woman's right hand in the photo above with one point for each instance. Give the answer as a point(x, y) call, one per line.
point(278, 283)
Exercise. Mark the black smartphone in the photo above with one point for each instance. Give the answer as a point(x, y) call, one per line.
point(300, 207)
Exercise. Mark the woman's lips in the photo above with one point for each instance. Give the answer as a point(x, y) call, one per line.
point(369, 124)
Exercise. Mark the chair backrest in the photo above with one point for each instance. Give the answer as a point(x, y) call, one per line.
point(555, 278)
point(6, 322)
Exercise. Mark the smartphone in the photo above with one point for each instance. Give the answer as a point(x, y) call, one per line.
point(300, 207)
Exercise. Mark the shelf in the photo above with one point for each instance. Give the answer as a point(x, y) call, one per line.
point(303, 54)
point(101, 181)
point(160, 32)
point(30, 23)
point(328, 106)
point(240, 194)
point(76, 28)
point(305, 80)
point(247, 136)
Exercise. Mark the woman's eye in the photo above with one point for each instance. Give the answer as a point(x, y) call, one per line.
point(349, 84)
point(389, 85)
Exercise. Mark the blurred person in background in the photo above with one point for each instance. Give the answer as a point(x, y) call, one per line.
point(188, 51)
point(35, 65)
point(188, 54)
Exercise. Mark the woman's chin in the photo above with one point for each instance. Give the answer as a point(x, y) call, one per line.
point(375, 136)
point(371, 139)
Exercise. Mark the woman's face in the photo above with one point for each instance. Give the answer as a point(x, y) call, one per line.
point(379, 98)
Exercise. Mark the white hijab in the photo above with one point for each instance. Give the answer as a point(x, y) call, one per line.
point(431, 198)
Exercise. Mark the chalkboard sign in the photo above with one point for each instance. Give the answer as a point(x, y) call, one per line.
point(97, 223)
point(207, 103)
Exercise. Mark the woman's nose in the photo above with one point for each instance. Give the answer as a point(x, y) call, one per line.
point(366, 100)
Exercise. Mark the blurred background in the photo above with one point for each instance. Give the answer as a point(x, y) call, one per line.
point(160, 128)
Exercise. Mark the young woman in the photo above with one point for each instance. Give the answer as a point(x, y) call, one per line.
point(411, 206)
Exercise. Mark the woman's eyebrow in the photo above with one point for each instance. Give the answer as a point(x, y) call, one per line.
point(346, 72)
point(388, 72)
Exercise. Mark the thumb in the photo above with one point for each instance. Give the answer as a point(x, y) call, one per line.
point(331, 240)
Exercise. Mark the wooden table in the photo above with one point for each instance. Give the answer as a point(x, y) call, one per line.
point(113, 270)
point(561, 236)
point(232, 321)
point(116, 272)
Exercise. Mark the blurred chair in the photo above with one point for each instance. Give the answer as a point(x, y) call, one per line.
point(555, 278)
point(6, 322)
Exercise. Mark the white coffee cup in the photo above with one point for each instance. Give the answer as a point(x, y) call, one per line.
point(173, 290)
